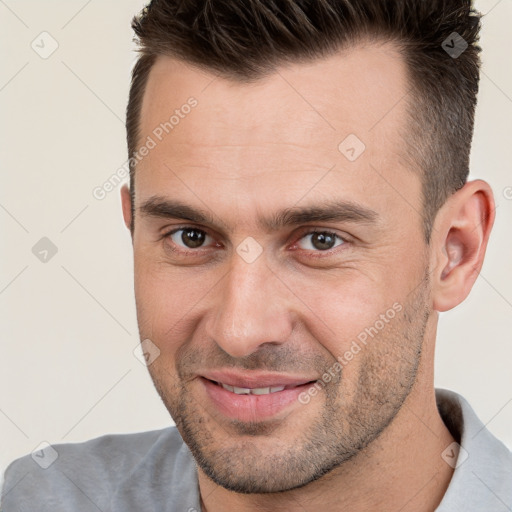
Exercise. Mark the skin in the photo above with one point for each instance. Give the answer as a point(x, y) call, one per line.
point(371, 438)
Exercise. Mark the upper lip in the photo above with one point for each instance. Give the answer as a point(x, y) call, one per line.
point(255, 379)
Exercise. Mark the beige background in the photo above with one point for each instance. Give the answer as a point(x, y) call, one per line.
point(68, 329)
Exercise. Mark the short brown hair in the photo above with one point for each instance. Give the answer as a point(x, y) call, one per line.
point(247, 39)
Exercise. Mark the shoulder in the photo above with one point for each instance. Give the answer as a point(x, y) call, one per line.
point(482, 475)
point(88, 475)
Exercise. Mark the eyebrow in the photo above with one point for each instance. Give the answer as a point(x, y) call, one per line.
point(328, 211)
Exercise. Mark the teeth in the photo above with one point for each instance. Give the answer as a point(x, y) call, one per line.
point(260, 391)
point(253, 391)
point(241, 391)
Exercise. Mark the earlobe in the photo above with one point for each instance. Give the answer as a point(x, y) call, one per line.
point(126, 202)
point(461, 233)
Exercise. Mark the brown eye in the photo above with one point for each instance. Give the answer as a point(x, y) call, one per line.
point(320, 241)
point(189, 238)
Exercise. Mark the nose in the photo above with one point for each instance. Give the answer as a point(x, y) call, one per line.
point(251, 308)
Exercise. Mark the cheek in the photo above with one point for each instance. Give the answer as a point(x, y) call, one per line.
point(341, 309)
point(357, 319)
point(169, 300)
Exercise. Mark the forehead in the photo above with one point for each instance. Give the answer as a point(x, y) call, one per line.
point(282, 135)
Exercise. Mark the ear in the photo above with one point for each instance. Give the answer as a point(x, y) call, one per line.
point(126, 201)
point(459, 240)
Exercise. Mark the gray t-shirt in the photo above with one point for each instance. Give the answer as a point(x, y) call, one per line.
point(155, 471)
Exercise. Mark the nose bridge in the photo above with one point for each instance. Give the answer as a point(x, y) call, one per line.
point(250, 309)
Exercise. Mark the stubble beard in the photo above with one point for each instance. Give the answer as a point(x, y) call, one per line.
point(271, 457)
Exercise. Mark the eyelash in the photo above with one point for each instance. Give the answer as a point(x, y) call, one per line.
point(313, 254)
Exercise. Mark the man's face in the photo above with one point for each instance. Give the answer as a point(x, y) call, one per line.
point(266, 290)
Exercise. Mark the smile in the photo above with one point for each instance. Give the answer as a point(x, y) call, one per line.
point(251, 391)
point(262, 400)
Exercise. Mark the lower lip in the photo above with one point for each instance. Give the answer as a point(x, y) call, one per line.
point(250, 408)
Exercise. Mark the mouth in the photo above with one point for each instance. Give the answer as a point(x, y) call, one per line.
point(249, 399)
point(267, 390)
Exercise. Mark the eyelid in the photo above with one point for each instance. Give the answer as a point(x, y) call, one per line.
point(166, 231)
point(331, 231)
